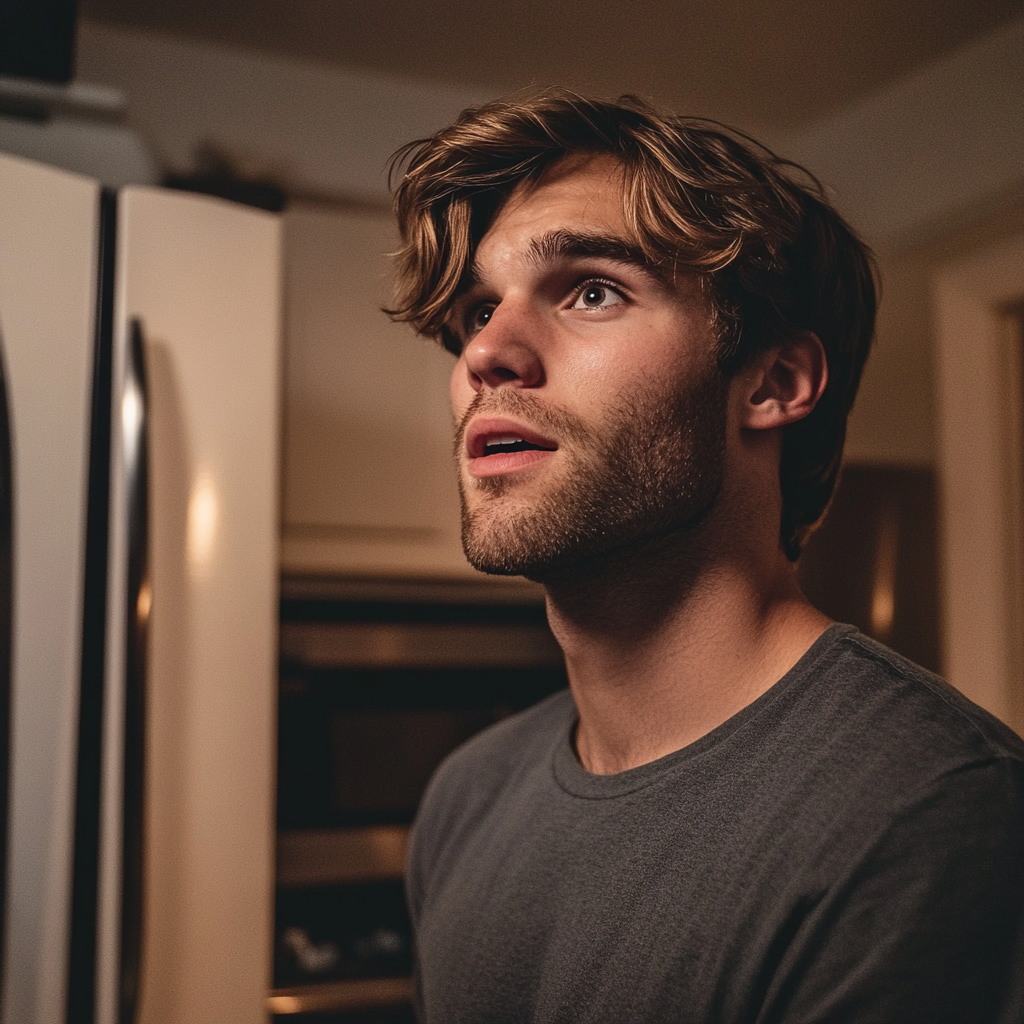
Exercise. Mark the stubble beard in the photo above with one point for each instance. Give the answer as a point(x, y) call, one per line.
point(652, 467)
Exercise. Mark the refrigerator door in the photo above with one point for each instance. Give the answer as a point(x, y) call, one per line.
point(49, 231)
point(200, 280)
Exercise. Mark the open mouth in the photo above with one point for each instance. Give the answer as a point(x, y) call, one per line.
point(509, 443)
point(498, 446)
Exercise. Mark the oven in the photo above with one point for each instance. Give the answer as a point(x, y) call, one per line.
point(378, 683)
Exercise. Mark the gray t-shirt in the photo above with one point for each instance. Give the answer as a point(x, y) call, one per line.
point(847, 848)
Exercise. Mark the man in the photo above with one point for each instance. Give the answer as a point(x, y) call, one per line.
point(740, 812)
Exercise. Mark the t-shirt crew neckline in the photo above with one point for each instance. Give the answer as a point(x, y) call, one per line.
point(577, 781)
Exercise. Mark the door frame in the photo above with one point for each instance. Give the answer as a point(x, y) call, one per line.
point(980, 406)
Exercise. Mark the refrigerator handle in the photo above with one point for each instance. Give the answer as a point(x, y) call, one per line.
point(6, 630)
point(135, 424)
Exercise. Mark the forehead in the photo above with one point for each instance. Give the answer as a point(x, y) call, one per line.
point(583, 194)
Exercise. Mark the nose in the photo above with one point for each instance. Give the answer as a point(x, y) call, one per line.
point(506, 351)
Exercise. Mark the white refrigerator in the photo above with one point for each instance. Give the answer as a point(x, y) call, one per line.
point(139, 338)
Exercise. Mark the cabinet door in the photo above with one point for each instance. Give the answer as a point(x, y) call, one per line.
point(369, 480)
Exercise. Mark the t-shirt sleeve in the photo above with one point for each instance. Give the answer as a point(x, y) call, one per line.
point(928, 926)
point(414, 891)
point(431, 825)
point(445, 794)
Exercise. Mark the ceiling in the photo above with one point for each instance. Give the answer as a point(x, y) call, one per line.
point(774, 64)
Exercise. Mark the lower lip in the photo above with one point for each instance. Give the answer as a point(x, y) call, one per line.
point(511, 462)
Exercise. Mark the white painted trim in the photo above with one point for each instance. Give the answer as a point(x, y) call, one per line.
point(980, 397)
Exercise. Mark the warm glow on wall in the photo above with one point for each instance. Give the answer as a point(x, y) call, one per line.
point(144, 603)
point(203, 513)
point(883, 590)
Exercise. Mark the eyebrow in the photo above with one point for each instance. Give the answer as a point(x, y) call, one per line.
point(559, 245)
point(566, 245)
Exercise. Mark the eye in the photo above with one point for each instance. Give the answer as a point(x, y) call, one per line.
point(596, 295)
point(479, 318)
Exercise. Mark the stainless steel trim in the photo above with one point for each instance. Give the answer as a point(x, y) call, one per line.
point(342, 995)
point(359, 645)
point(339, 856)
point(496, 591)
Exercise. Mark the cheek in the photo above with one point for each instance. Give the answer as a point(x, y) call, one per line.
point(597, 374)
point(592, 368)
point(460, 390)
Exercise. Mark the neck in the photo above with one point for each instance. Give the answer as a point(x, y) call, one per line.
point(664, 643)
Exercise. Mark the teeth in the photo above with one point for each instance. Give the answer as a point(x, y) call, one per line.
point(505, 444)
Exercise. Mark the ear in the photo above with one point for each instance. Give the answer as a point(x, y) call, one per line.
point(783, 384)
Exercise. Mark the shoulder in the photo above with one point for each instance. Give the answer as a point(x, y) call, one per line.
point(903, 700)
point(878, 750)
point(911, 827)
point(858, 691)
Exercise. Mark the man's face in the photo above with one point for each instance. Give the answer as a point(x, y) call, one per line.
point(591, 412)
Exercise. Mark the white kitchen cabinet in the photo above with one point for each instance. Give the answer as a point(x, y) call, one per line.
point(369, 480)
